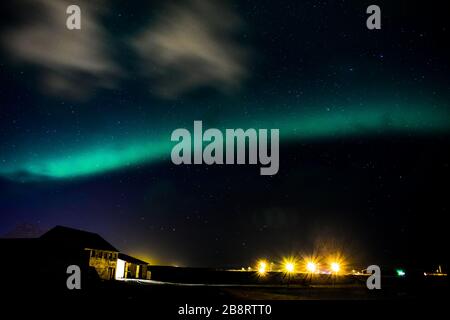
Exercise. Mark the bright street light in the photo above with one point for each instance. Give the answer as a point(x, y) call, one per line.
point(262, 268)
point(289, 267)
point(311, 267)
point(335, 267)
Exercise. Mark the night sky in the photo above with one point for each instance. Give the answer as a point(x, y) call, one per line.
point(364, 118)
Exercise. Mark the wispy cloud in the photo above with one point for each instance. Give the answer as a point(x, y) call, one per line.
point(71, 61)
point(192, 45)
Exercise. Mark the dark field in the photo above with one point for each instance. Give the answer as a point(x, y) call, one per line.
point(278, 288)
point(347, 295)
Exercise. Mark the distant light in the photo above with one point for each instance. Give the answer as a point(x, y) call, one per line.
point(262, 268)
point(311, 267)
point(335, 267)
point(400, 272)
point(289, 267)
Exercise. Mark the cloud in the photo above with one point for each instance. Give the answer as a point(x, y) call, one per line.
point(71, 61)
point(191, 45)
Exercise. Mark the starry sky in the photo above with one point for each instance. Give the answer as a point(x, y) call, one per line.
point(364, 118)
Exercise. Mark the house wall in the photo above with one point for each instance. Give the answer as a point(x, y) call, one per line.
point(131, 270)
point(145, 273)
point(104, 263)
point(136, 271)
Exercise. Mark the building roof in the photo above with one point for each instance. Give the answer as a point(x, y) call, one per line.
point(76, 239)
point(131, 259)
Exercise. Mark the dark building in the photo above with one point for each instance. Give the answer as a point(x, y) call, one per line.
point(44, 260)
point(86, 248)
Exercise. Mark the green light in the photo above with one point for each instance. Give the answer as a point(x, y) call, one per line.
point(400, 272)
point(99, 154)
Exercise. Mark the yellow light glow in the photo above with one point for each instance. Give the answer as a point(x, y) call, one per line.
point(289, 264)
point(311, 267)
point(289, 267)
point(262, 267)
point(335, 267)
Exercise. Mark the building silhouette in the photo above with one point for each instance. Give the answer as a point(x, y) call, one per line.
point(44, 260)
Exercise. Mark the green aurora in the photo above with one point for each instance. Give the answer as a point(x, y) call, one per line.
point(99, 157)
